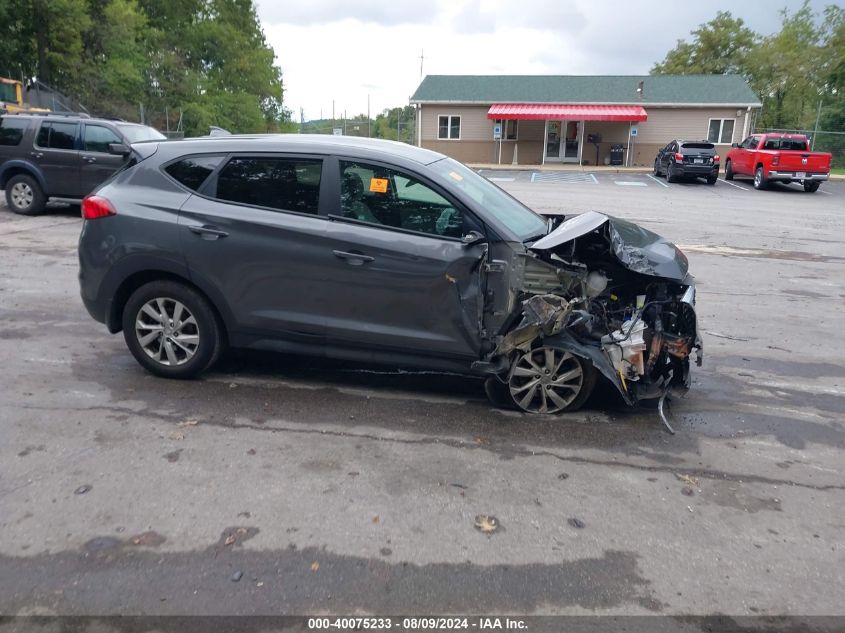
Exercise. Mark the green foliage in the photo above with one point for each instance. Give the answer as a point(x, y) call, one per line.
point(791, 70)
point(720, 46)
point(206, 58)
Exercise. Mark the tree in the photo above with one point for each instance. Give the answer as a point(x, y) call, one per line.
point(720, 46)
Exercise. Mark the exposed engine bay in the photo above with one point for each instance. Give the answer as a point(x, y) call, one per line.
point(608, 292)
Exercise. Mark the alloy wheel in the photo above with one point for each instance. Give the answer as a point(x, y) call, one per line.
point(167, 331)
point(545, 380)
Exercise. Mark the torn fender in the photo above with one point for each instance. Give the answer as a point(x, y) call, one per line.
point(594, 354)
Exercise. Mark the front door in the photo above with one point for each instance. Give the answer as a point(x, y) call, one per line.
point(563, 141)
point(400, 277)
point(97, 163)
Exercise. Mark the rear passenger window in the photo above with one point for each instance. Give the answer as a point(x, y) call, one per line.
point(56, 135)
point(11, 130)
point(291, 184)
point(192, 172)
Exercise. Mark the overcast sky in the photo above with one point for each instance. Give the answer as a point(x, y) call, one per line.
point(344, 51)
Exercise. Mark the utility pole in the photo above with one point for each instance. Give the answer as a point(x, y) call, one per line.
point(368, 115)
point(816, 130)
point(422, 58)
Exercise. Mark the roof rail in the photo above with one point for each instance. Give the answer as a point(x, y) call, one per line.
point(81, 115)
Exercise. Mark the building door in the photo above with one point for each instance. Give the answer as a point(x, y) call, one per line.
point(563, 141)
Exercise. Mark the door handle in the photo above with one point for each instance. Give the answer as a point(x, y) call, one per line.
point(354, 259)
point(89, 159)
point(36, 154)
point(207, 232)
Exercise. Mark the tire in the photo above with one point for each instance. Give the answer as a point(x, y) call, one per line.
point(811, 186)
point(729, 172)
point(711, 180)
point(656, 168)
point(24, 196)
point(550, 380)
point(201, 334)
point(760, 178)
point(670, 174)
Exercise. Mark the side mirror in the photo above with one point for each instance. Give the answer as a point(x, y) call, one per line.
point(471, 238)
point(734, 144)
point(119, 148)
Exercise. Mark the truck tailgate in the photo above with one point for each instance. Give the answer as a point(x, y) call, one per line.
point(800, 161)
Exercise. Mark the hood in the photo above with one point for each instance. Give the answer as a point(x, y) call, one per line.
point(636, 248)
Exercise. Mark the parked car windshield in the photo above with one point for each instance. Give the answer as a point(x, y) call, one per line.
point(136, 133)
point(518, 218)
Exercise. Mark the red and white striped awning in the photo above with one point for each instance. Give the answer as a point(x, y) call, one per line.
point(558, 111)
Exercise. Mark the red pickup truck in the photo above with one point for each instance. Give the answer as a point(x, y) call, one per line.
point(778, 158)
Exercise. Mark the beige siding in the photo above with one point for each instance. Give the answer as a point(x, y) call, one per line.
point(475, 126)
point(663, 125)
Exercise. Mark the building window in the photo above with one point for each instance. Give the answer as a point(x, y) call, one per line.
point(449, 127)
point(721, 131)
point(510, 128)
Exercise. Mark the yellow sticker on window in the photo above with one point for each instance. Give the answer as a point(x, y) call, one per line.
point(378, 185)
point(456, 176)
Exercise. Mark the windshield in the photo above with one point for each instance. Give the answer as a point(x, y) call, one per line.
point(8, 93)
point(518, 218)
point(136, 133)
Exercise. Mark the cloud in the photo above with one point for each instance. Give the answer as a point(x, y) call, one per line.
point(315, 12)
point(471, 19)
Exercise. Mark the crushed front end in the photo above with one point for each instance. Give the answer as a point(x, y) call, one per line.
point(616, 298)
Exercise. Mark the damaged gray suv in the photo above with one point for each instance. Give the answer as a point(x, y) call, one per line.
point(381, 252)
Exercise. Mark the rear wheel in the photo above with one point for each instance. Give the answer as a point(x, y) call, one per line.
point(759, 178)
point(670, 174)
point(656, 167)
point(711, 180)
point(729, 171)
point(811, 186)
point(24, 196)
point(550, 380)
point(171, 330)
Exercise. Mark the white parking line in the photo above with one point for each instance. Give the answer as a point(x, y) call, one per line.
point(659, 182)
point(493, 179)
point(732, 184)
point(827, 193)
point(630, 183)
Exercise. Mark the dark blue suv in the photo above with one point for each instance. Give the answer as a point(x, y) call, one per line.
point(61, 156)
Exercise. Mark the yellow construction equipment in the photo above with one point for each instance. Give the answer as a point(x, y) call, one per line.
point(11, 97)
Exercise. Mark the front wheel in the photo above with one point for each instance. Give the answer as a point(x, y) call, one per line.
point(811, 186)
point(711, 180)
point(759, 178)
point(171, 329)
point(656, 168)
point(550, 380)
point(729, 171)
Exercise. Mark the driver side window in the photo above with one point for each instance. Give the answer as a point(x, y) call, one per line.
point(380, 195)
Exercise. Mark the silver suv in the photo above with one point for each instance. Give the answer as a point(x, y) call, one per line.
point(380, 252)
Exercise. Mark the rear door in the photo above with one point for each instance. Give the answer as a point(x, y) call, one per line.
point(56, 153)
point(96, 162)
point(399, 277)
point(253, 233)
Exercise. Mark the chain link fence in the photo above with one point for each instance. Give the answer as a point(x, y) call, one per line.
point(820, 141)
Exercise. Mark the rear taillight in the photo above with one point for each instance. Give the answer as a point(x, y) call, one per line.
point(94, 207)
point(716, 158)
point(679, 157)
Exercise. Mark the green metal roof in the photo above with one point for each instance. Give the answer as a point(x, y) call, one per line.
point(669, 89)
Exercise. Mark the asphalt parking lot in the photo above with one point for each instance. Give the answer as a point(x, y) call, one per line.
point(278, 484)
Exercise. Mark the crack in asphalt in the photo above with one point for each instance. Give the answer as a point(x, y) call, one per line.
point(510, 451)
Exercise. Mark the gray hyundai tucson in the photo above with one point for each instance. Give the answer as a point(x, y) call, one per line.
point(381, 252)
